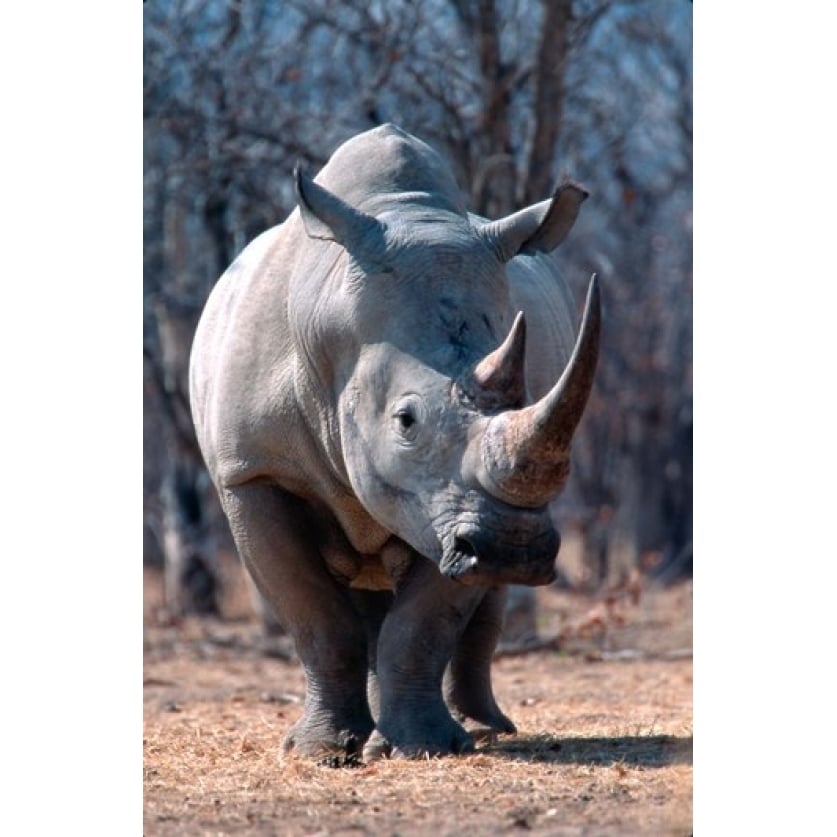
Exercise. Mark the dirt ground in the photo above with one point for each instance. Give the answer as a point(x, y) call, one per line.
point(604, 742)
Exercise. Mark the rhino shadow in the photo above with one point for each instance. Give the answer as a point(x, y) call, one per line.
point(636, 750)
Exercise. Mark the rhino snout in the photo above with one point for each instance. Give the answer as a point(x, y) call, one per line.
point(476, 557)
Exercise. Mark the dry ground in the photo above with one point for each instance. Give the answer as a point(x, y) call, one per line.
point(604, 744)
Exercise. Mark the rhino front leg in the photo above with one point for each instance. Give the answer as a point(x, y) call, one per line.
point(276, 536)
point(467, 684)
point(372, 605)
point(416, 642)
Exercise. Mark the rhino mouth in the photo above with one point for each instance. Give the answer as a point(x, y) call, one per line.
point(472, 557)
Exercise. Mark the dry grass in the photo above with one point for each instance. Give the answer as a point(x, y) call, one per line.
point(604, 744)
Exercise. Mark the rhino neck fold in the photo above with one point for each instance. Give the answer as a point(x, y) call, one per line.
point(321, 462)
point(316, 402)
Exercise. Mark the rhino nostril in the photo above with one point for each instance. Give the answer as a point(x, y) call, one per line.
point(464, 547)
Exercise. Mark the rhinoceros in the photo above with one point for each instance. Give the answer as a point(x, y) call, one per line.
point(384, 389)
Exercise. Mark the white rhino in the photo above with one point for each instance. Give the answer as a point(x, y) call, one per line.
point(383, 450)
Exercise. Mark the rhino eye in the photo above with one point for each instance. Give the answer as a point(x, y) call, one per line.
point(405, 419)
point(408, 416)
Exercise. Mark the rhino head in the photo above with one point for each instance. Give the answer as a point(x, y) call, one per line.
point(438, 437)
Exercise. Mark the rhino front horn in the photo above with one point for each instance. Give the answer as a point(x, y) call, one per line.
point(526, 453)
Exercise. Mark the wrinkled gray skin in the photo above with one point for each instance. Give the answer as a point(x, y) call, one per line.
point(344, 416)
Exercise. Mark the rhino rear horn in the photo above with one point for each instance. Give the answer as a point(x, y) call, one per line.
point(499, 379)
point(539, 228)
point(330, 218)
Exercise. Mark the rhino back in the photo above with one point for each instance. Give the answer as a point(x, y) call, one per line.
point(373, 168)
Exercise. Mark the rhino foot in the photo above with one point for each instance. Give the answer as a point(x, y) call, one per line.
point(325, 742)
point(438, 740)
point(474, 700)
point(487, 715)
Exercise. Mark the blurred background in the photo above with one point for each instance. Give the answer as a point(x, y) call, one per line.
point(515, 94)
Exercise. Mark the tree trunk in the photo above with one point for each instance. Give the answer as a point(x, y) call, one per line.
point(550, 67)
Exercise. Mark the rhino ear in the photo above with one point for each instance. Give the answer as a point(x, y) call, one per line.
point(328, 217)
point(539, 228)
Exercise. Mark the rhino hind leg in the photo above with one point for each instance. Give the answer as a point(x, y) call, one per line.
point(467, 683)
point(273, 533)
point(417, 639)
